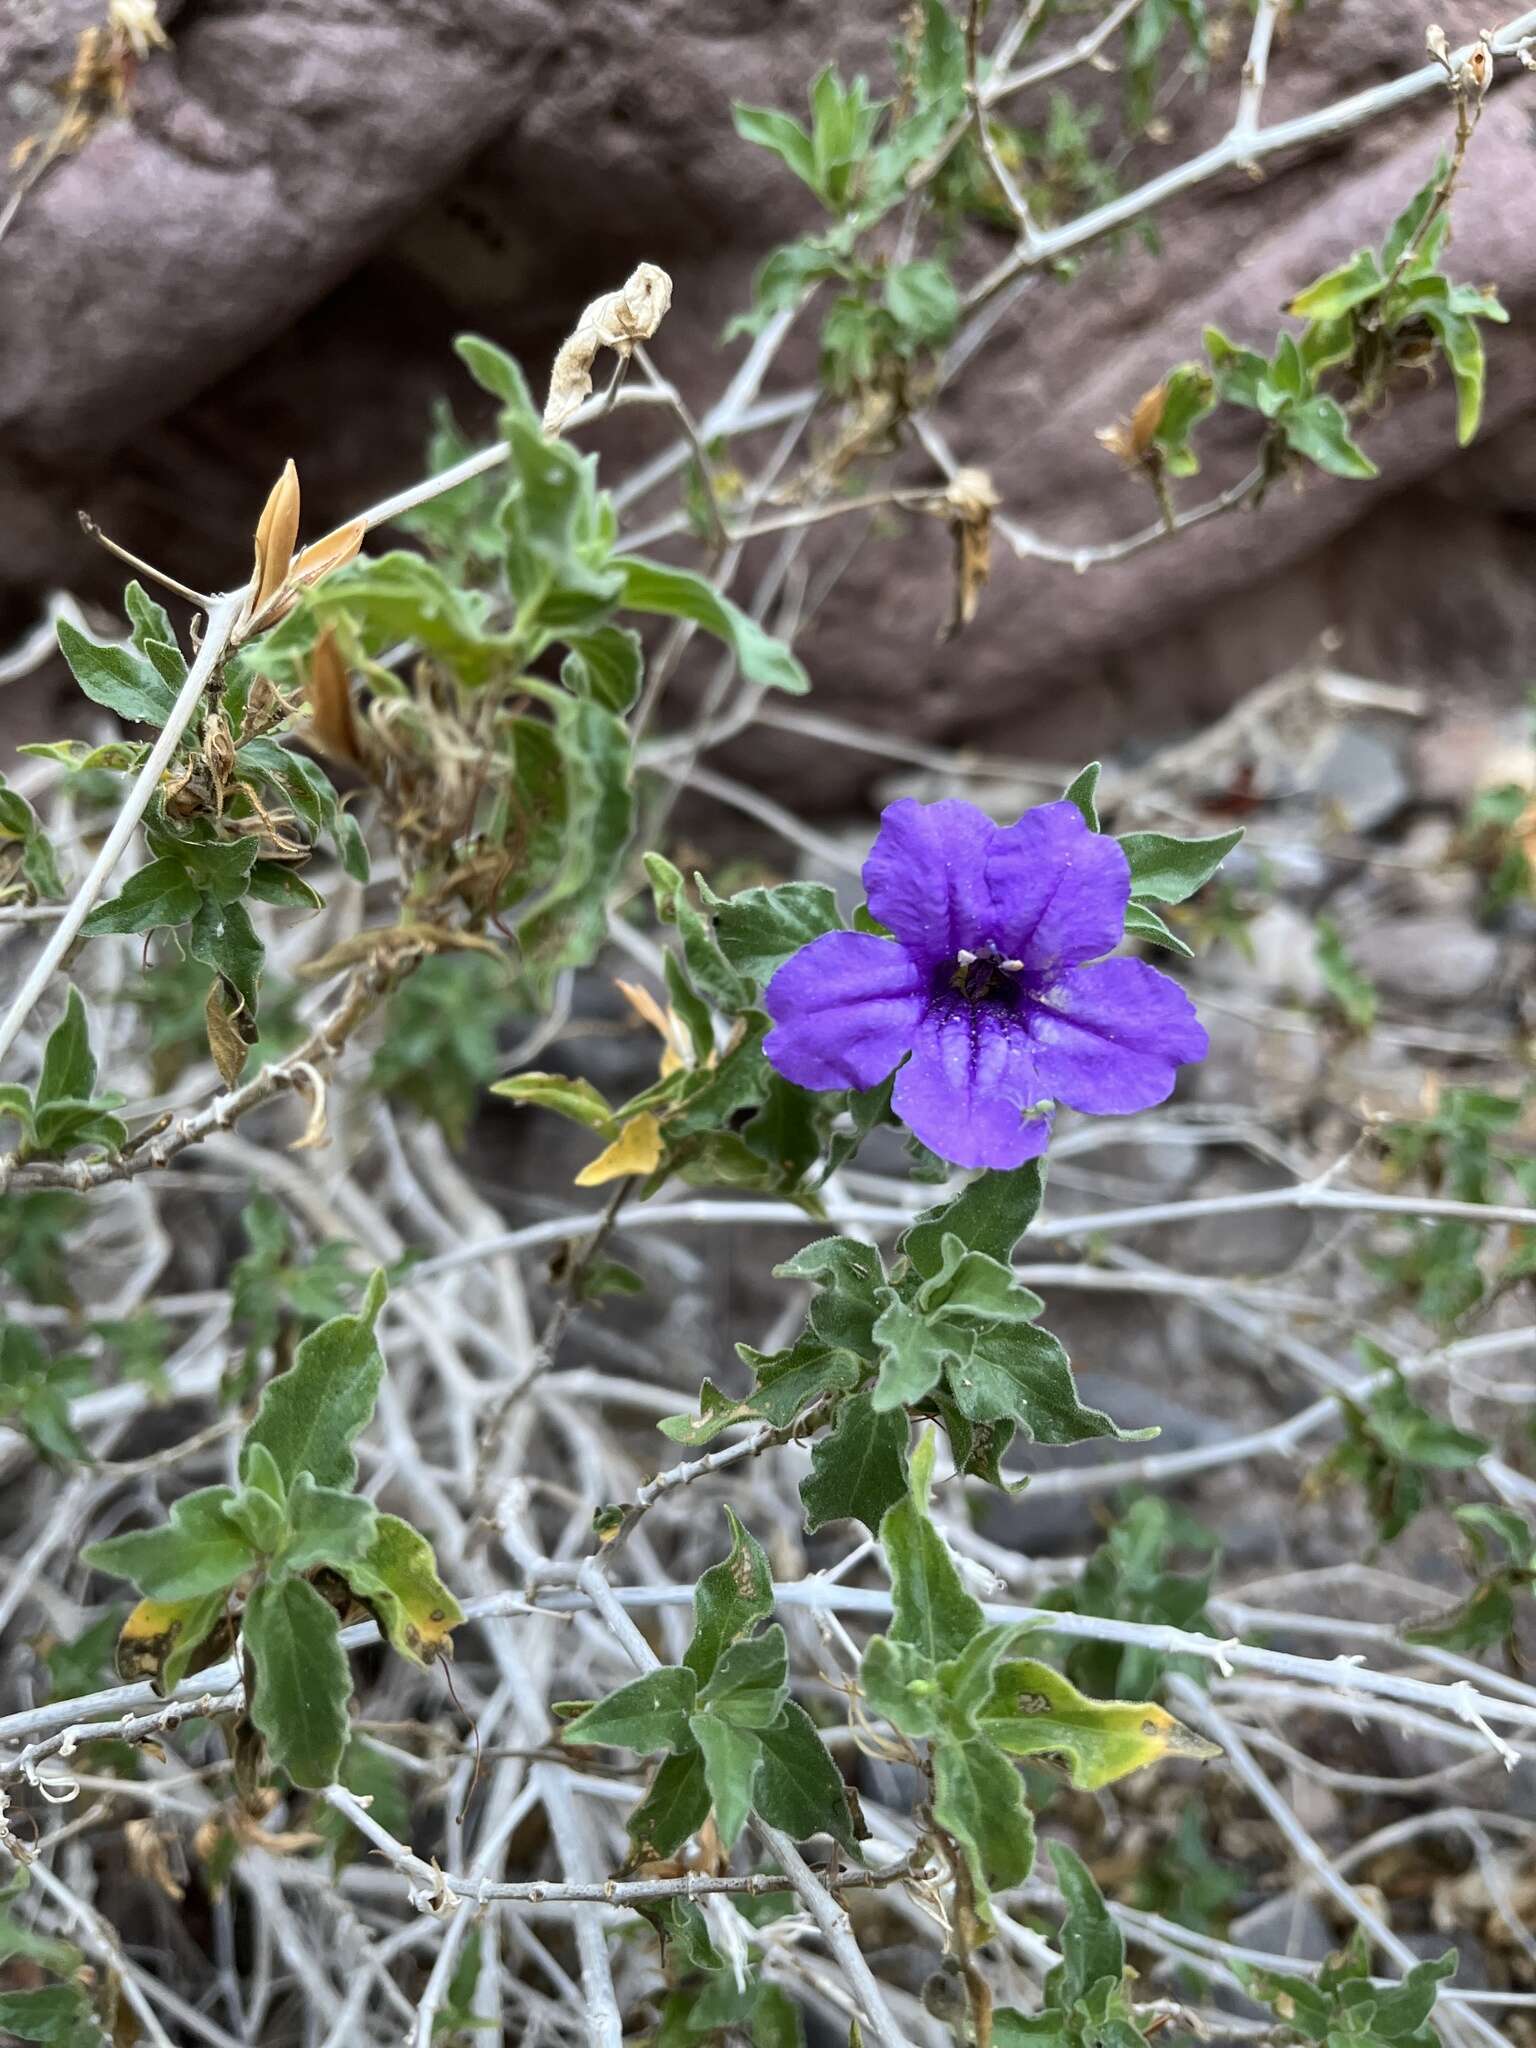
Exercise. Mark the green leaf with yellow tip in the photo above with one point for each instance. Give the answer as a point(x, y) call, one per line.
point(161, 1638)
point(1034, 1711)
point(577, 1100)
point(398, 1578)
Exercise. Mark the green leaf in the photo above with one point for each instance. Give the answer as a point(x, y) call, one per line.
point(69, 1066)
point(160, 894)
point(799, 1788)
point(914, 1351)
point(1092, 1946)
point(197, 1552)
point(259, 1519)
point(1021, 1374)
point(311, 1414)
point(679, 594)
point(403, 596)
point(707, 963)
point(116, 677)
point(732, 1761)
point(578, 1100)
point(1462, 347)
point(858, 1468)
point(782, 134)
point(1169, 870)
point(922, 300)
point(728, 1600)
point(648, 1714)
point(1338, 291)
point(751, 1681)
point(495, 371)
point(39, 862)
point(605, 664)
point(1239, 372)
point(273, 882)
point(758, 929)
point(567, 922)
point(223, 938)
point(1083, 791)
point(676, 1806)
point(1189, 396)
point(1032, 1710)
point(326, 1526)
point(57, 2015)
point(1143, 923)
point(302, 1680)
point(902, 1684)
point(848, 1278)
point(1317, 428)
point(978, 1798)
point(1405, 230)
point(930, 1607)
point(989, 1215)
point(398, 1578)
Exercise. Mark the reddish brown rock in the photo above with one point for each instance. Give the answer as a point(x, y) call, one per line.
point(271, 256)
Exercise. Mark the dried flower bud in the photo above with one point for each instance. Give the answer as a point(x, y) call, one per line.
point(1476, 75)
point(618, 321)
point(280, 576)
point(1436, 44)
point(1526, 52)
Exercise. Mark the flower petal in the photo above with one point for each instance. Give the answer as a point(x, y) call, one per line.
point(845, 1009)
point(1108, 1039)
point(1060, 890)
point(966, 1087)
point(926, 876)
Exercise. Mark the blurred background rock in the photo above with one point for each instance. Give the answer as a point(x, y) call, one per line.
point(269, 251)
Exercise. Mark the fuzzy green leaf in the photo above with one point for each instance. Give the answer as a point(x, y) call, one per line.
point(858, 1468)
point(118, 678)
point(197, 1552)
point(302, 1680)
point(679, 594)
point(311, 1414)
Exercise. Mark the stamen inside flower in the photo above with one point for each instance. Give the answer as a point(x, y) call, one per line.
point(979, 976)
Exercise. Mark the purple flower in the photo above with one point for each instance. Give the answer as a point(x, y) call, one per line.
point(991, 990)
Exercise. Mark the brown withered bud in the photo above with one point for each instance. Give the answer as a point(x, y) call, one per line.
point(280, 577)
point(1132, 439)
point(1476, 75)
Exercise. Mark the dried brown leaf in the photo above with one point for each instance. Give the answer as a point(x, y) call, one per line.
point(276, 532)
point(330, 700)
point(331, 551)
point(230, 1032)
point(618, 320)
point(316, 1131)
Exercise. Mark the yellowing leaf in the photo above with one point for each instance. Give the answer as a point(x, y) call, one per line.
point(398, 1578)
point(161, 1638)
point(637, 1149)
point(1034, 1711)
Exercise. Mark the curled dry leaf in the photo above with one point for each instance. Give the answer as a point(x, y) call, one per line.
point(149, 1856)
point(316, 1131)
point(230, 1033)
point(280, 576)
point(618, 320)
point(969, 504)
point(1131, 439)
point(330, 700)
